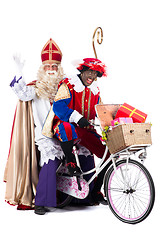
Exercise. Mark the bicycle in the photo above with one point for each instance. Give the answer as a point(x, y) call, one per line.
point(128, 185)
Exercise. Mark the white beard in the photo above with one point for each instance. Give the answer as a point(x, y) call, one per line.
point(47, 84)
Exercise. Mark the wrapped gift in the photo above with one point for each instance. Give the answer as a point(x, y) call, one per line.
point(121, 120)
point(106, 113)
point(128, 111)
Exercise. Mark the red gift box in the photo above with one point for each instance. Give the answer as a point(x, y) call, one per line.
point(128, 111)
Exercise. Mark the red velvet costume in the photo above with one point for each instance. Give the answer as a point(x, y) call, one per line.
point(82, 100)
point(73, 101)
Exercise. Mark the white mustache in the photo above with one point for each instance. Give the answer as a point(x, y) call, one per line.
point(50, 72)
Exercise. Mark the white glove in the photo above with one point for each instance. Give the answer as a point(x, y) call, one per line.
point(19, 64)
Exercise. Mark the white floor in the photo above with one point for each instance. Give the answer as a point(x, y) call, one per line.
point(78, 222)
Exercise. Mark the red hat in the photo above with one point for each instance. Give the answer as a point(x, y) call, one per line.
point(93, 64)
point(51, 53)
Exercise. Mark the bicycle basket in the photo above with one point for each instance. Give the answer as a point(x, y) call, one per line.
point(125, 135)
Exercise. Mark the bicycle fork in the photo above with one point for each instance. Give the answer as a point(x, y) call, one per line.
point(124, 176)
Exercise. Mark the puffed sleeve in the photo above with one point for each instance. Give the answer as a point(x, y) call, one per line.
point(60, 105)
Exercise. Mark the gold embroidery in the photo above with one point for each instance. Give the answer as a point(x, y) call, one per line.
point(63, 93)
point(48, 125)
point(57, 129)
point(83, 97)
point(89, 102)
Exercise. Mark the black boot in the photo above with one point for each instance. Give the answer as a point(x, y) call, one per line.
point(73, 169)
point(40, 210)
point(67, 148)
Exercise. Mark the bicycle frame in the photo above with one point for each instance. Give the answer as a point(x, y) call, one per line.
point(127, 152)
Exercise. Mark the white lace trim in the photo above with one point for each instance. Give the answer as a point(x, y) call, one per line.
point(79, 87)
point(50, 149)
point(23, 92)
point(83, 151)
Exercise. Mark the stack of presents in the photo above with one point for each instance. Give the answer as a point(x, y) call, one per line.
point(125, 128)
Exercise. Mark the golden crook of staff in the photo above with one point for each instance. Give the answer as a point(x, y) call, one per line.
point(99, 40)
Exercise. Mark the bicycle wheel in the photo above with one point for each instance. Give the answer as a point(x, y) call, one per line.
point(130, 191)
point(63, 199)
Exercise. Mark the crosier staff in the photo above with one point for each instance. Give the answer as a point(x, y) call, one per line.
point(99, 32)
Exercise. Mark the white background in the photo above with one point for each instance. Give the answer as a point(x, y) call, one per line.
point(131, 51)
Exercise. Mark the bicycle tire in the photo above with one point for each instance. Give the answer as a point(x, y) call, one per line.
point(135, 203)
point(63, 199)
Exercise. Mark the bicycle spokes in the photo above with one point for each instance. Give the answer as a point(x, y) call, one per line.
point(133, 202)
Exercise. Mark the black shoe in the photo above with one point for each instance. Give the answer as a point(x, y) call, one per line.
point(73, 169)
point(97, 197)
point(40, 210)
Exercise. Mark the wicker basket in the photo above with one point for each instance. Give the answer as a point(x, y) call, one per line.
point(128, 134)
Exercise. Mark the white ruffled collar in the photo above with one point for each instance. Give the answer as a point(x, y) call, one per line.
point(79, 87)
